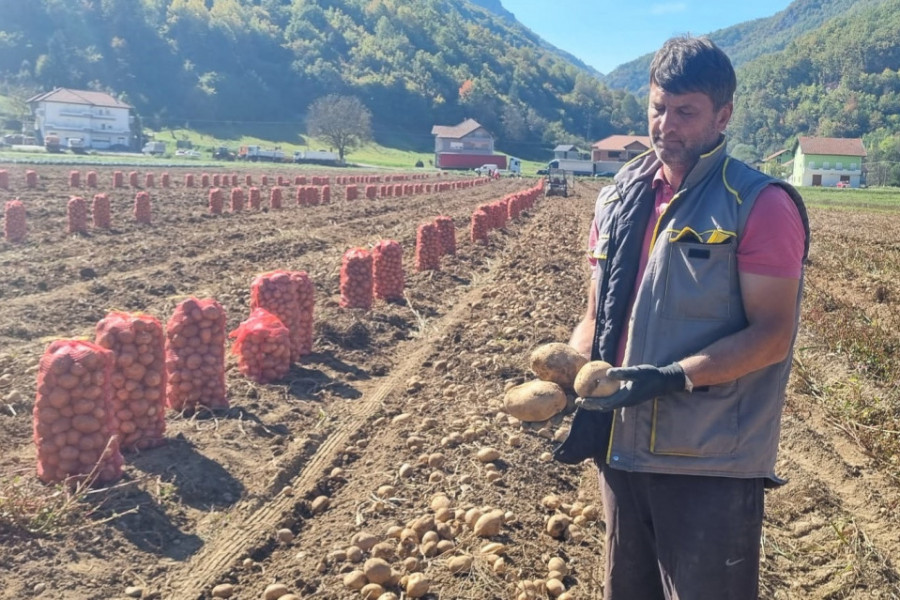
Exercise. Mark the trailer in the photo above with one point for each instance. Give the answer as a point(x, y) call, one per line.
point(574, 166)
point(319, 157)
point(153, 148)
point(257, 153)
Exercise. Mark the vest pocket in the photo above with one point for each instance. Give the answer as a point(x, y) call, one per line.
point(704, 423)
point(698, 280)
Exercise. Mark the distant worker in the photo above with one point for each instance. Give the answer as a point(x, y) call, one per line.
point(697, 274)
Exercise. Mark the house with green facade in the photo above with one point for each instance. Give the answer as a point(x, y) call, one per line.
point(828, 162)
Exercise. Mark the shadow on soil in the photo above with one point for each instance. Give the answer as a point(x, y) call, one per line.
point(176, 474)
point(306, 383)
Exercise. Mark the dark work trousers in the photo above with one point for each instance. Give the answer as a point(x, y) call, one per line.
point(681, 537)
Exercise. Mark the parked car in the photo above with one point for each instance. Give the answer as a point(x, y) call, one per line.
point(842, 184)
point(190, 153)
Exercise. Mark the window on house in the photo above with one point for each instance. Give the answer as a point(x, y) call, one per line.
point(853, 167)
point(826, 165)
point(812, 164)
point(614, 154)
point(839, 166)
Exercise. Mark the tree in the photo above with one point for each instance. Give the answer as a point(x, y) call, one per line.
point(343, 121)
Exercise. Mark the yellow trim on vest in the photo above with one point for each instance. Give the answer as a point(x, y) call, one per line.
point(710, 236)
point(659, 220)
point(733, 191)
point(611, 199)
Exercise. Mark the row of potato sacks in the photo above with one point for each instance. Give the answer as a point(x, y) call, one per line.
point(97, 399)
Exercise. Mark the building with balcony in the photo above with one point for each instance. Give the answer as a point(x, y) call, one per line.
point(97, 118)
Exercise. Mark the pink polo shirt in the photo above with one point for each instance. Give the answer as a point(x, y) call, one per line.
point(772, 243)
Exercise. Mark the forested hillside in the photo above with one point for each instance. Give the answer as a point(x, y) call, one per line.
point(412, 63)
point(746, 41)
point(840, 81)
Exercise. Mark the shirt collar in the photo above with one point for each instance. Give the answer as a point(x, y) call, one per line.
point(659, 178)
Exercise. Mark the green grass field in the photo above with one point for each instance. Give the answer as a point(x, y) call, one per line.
point(852, 199)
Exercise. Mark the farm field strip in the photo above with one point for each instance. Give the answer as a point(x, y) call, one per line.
point(387, 391)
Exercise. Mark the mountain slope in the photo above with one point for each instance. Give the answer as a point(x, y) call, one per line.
point(841, 80)
point(414, 64)
point(747, 41)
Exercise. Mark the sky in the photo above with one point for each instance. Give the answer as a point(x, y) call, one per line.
point(607, 33)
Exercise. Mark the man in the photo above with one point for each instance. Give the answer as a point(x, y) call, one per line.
point(697, 269)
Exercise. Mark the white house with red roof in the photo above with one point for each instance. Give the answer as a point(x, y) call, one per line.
point(610, 153)
point(828, 162)
point(97, 118)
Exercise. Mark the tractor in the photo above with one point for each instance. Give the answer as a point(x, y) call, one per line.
point(557, 183)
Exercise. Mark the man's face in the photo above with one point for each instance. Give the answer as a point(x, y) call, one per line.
point(684, 126)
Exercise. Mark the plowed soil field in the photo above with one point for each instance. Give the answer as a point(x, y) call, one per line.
point(369, 448)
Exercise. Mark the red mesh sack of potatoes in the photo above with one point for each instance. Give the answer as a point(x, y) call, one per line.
point(233, 178)
point(502, 211)
point(254, 198)
point(195, 356)
point(371, 192)
point(133, 179)
point(275, 197)
point(75, 179)
point(165, 180)
point(100, 211)
point(142, 212)
point(215, 201)
point(263, 347)
point(387, 270)
point(118, 179)
point(447, 234)
point(74, 426)
point(276, 292)
point(326, 194)
point(189, 180)
point(237, 200)
point(14, 226)
point(138, 379)
point(77, 214)
point(428, 248)
point(204, 180)
point(312, 195)
point(356, 279)
point(92, 179)
point(31, 178)
point(149, 180)
point(302, 336)
point(217, 180)
point(481, 225)
point(351, 192)
point(264, 180)
point(248, 180)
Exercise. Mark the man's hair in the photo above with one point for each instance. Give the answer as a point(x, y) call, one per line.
point(688, 64)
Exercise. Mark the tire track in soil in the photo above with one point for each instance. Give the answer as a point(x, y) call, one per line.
point(217, 557)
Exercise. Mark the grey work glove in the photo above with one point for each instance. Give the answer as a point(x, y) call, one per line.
point(642, 383)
